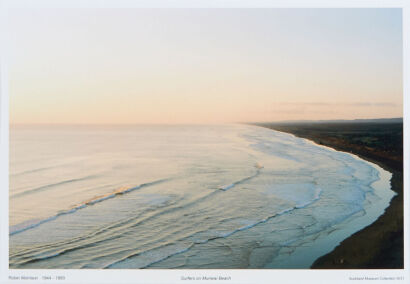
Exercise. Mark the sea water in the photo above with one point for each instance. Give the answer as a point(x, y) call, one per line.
point(216, 196)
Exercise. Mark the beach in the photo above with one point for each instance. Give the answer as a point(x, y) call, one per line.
point(379, 245)
point(226, 196)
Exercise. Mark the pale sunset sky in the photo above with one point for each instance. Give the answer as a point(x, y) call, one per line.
point(142, 66)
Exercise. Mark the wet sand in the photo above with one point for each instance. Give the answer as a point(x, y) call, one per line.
point(379, 245)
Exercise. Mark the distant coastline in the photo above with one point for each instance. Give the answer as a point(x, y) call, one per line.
point(380, 141)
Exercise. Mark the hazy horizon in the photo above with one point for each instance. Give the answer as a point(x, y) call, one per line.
point(203, 66)
point(188, 124)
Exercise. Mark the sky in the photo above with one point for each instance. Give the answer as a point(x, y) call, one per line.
point(143, 66)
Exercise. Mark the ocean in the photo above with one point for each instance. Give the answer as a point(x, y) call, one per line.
point(158, 196)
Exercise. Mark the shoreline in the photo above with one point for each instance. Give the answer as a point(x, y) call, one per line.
point(378, 245)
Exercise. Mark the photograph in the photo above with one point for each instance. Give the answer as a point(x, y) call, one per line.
point(198, 139)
